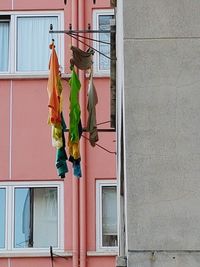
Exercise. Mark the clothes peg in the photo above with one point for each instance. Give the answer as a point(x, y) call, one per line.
point(52, 44)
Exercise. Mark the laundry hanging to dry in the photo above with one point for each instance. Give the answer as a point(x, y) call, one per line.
point(75, 128)
point(91, 107)
point(82, 60)
point(55, 117)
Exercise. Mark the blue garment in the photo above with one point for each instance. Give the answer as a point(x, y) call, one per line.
point(76, 164)
point(61, 155)
point(77, 169)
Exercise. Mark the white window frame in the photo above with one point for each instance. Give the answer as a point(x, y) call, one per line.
point(99, 185)
point(96, 14)
point(12, 64)
point(10, 209)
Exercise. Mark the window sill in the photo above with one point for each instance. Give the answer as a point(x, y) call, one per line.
point(28, 76)
point(28, 254)
point(39, 253)
point(99, 75)
point(45, 76)
point(102, 253)
point(22, 76)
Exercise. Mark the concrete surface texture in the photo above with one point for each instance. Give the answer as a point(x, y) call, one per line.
point(162, 130)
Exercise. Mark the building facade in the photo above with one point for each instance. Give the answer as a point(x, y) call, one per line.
point(38, 209)
point(158, 133)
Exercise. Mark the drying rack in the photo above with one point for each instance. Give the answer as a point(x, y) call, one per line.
point(76, 34)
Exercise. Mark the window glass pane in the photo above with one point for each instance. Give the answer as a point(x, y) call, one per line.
point(4, 45)
point(2, 216)
point(33, 41)
point(109, 216)
point(36, 215)
point(104, 24)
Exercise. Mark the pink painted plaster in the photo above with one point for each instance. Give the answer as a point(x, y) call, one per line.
point(32, 155)
point(4, 129)
point(38, 4)
point(5, 5)
point(4, 262)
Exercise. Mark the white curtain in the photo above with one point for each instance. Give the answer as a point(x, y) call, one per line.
point(33, 41)
point(4, 46)
point(45, 224)
point(109, 210)
point(36, 217)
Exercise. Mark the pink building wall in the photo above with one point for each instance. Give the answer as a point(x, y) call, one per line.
point(26, 153)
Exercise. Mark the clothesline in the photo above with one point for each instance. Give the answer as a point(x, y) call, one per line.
point(75, 34)
point(91, 47)
point(111, 152)
point(65, 2)
point(99, 130)
point(79, 31)
point(91, 39)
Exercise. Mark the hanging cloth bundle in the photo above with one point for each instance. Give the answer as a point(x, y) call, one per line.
point(91, 107)
point(55, 119)
point(81, 59)
point(75, 127)
point(52, 88)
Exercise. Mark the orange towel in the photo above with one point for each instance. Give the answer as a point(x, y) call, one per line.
point(53, 90)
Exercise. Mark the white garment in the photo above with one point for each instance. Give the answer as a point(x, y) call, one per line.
point(91, 107)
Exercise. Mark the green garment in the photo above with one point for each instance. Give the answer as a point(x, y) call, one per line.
point(75, 111)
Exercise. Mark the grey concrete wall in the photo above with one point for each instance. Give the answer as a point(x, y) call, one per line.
point(164, 260)
point(162, 124)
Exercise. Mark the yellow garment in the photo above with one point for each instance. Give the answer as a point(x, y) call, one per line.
point(57, 140)
point(74, 150)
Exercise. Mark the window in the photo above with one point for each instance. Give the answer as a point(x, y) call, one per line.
point(25, 39)
point(2, 217)
point(4, 42)
point(101, 21)
point(106, 214)
point(33, 211)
